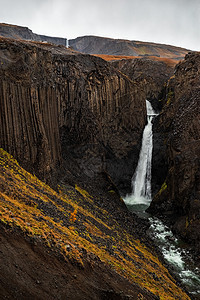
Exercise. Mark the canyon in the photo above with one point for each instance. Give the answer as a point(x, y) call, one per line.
point(74, 122)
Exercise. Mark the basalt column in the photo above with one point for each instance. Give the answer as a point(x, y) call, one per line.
point(61, 109)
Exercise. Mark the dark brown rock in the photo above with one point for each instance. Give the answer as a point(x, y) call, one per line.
point(63, 109)
point(149, 75)
point(179, 122)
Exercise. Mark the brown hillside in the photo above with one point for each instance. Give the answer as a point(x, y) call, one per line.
point(108, 46)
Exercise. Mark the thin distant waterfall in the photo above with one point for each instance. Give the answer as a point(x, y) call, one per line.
point(141, 181)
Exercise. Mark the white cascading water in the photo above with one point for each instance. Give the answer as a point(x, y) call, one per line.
point(141, 181)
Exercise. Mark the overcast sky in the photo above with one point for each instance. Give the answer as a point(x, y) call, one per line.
point(175, 22)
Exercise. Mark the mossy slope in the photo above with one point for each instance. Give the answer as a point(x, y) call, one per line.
point(69, 223)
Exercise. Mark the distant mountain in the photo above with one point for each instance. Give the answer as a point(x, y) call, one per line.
point(24, 33)
point(101, 45)
point(98, 45)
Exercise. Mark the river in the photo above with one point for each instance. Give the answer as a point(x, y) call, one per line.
point(138, 201)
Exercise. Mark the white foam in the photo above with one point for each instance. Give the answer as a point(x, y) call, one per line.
point(174, 255)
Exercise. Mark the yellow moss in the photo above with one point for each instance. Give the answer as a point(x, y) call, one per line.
point(163, 188)
point(84, 193)
point(24, 200)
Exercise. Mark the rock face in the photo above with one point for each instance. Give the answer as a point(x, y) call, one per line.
point(150, 77)
point(65, 111)
point(179, 121)
point(24, 33)
point(101, 45)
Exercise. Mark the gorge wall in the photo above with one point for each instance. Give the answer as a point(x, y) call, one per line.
point(179, 197)
point(63, 110)
point(149, 75)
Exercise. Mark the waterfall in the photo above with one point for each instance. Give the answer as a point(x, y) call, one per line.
point(141, 182)
point(138, 201)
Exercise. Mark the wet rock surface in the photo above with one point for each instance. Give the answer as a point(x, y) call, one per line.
point(179, 196)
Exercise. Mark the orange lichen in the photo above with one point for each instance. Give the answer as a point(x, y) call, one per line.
point(73, 216)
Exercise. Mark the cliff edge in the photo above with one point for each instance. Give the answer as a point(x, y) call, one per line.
point(24, 33)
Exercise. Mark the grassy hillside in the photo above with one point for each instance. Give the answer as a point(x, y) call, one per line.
point(69, 223)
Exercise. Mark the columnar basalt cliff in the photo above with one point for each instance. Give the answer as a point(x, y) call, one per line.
point(179, 195)
point(63, 108)
point(149, 75)
point(73, 115)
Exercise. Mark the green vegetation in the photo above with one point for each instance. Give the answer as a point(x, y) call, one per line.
point(68, 221)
